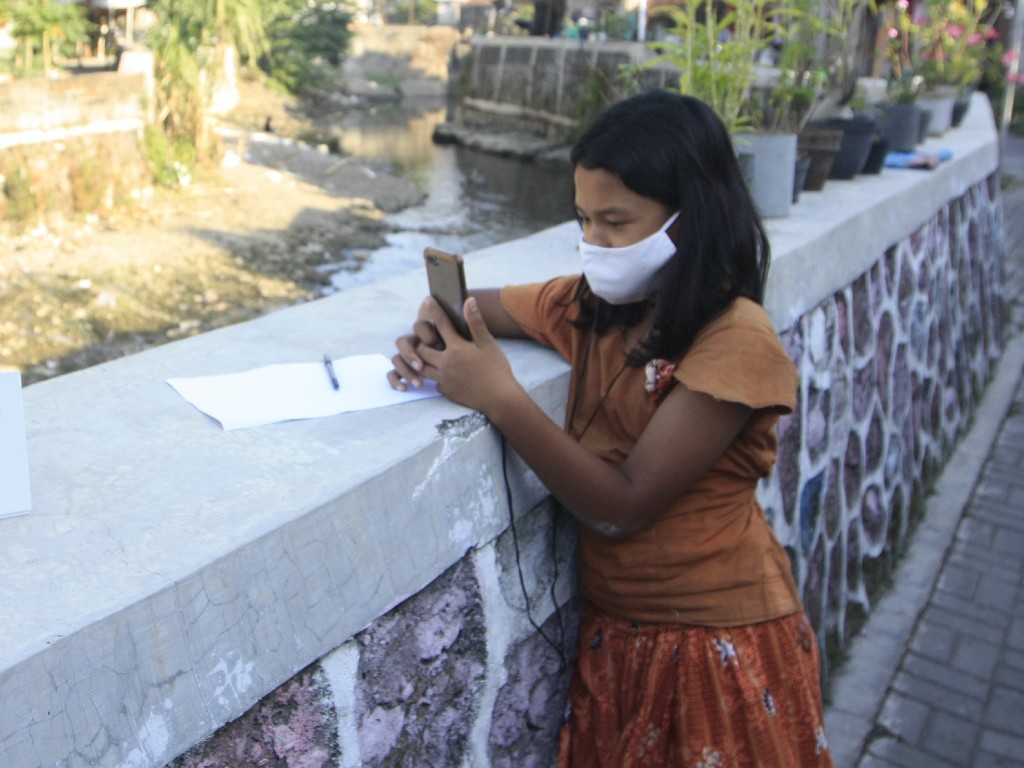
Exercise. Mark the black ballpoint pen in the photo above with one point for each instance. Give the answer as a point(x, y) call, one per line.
point(329, 365)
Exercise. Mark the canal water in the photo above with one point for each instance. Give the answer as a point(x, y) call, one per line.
point(474, 199)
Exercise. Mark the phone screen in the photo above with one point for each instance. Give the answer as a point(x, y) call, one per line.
point(446, 279)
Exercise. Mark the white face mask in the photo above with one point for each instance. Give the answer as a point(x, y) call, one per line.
point(627, 274)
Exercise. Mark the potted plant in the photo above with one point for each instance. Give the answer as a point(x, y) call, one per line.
point(821, 144)
point(954, 41)
point(840, 25)
point(902, 119)
point(721, 59)
point(903, 122)
point(798, 86)
point(776, 112)
point(716, 50)
point(835, 110)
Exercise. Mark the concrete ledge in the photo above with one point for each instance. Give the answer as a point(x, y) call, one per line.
point(41, 136)
point(172, 573)
point(833, 236)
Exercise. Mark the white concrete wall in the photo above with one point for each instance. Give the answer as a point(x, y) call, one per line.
point(172, 573)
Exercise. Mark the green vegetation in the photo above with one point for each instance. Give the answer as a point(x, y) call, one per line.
point(515, 19)
point(719, 49)
point(715, 52)
point(195, 42)
point(87, 176)
point(19, 203)
point(304, 43)
point(618, 26)
point(600, 90)
point(292, 41)
point(170, 162)
point(44, 28)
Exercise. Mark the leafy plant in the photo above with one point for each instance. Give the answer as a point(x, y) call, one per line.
point(600, 90)
point(618, 26)
point(787, 105)
point(904, 88)
point(792, 99)
point(21, 205)
point(192, 44)
point(169, 162)
point(716, 55)
point(904, 82)
point(514, 19)
point(956, 40)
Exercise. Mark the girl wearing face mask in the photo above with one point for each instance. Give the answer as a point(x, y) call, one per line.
point(694, 648)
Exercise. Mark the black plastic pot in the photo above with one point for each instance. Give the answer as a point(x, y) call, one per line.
point(926, 121)
point(960, 110)
point(876, 157)
point(821, 145)
point(858, 134)
point(803, 167)
point(901, 125)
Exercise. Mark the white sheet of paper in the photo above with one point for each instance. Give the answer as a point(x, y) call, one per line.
point(295, 391)
point(15, 496)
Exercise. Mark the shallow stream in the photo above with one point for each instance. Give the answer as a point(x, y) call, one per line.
point(474, 199)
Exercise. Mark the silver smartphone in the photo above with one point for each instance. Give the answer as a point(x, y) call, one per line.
point(446, 278)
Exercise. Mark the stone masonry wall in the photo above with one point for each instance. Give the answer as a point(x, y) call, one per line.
point(71, 145)
point(892, 369)
point(541, 86)
point(42, 104)
point(455, 675)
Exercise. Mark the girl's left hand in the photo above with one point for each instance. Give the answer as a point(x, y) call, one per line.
point(473, 373)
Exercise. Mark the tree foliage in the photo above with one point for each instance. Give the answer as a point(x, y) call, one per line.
point(46, 25)
point(195, 40)
point(304, 41)
point(193, 43)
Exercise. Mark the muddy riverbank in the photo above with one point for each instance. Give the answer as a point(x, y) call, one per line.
point(240, 240)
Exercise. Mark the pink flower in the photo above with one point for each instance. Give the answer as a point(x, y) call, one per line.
point(893, 33)
point(903, 4)
point(955, 31)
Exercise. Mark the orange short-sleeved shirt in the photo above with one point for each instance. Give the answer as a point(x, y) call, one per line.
point(711, 559)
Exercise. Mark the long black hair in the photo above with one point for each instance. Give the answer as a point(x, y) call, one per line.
point(675, 149)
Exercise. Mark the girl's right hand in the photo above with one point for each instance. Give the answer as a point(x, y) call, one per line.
point(408, 363)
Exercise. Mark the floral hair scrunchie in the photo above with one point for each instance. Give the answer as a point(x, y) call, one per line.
point(659, 378)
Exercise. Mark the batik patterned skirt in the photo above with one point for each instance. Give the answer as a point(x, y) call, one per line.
point(694, 697)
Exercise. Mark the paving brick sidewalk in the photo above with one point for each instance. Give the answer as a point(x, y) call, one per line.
point(936, 679)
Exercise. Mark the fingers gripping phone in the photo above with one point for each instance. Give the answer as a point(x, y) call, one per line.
point(446, 279)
